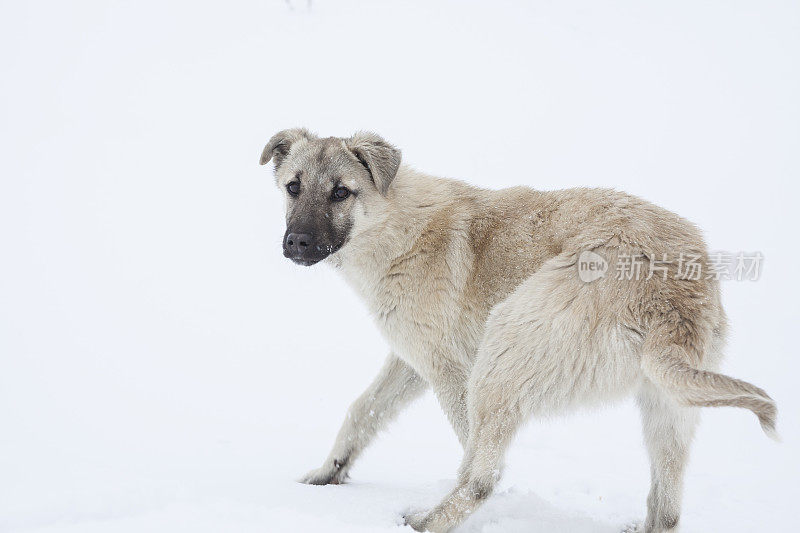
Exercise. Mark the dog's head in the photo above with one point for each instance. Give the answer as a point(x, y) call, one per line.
point(334, 188)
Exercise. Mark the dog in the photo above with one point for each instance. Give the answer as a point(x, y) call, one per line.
point(488, 298)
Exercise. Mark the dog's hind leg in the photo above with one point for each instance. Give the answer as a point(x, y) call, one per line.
point(395, 386)
point(669, 399)
point(492, 426)
point(539, 356)
point(668, 432)
point(494, 398)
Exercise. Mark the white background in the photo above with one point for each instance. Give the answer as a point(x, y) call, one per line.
point(163, 367)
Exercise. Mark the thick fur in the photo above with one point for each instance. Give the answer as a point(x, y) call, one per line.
point(478, 294)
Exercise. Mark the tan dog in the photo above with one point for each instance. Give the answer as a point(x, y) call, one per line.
point(498, 301)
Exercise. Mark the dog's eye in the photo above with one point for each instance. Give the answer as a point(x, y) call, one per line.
point(340, 193)
point(293, 188)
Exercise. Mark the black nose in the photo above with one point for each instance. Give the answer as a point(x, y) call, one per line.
point(298, 244)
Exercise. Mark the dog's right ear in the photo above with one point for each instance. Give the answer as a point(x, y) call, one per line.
point(279, 145)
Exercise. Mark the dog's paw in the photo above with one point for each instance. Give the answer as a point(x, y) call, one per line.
point(633, 527)
point(416, 520)
point(324, 476)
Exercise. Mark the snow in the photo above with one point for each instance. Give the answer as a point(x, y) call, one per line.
point(163, 368)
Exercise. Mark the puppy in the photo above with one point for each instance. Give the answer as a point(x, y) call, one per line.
point(511, 304)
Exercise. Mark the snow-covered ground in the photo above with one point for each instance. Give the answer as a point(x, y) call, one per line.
point(164, 369)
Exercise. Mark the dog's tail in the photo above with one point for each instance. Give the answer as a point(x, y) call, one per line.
point(669, 370)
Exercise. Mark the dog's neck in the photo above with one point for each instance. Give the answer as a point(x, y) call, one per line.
point(366, 259)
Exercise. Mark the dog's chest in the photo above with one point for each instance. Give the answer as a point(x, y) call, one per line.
point(423, 319)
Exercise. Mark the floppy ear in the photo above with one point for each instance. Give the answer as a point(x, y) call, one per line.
point(279, 145)
point(381, 158)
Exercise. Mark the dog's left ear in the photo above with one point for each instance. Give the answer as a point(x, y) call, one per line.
point(279, 145)
point(381, 158)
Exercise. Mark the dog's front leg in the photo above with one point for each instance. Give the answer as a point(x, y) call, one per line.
point(395, 386)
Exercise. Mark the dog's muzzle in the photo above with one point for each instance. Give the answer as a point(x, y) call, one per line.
point(303, 248)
